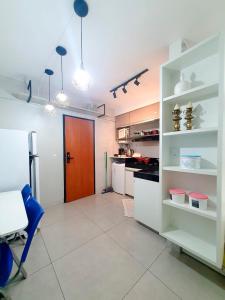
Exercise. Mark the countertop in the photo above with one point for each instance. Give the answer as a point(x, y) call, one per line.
point(148, 174)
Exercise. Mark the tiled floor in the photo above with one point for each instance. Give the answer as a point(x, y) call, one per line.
point(88, 250)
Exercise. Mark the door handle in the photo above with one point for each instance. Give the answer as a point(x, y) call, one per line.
point(68, 157)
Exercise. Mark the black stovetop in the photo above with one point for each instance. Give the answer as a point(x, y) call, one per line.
point(147, 171)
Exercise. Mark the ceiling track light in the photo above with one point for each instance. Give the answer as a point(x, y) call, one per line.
point(124, 90)
point(114, 94)
point(61, 96)
point(136, 82)
point(125, 83)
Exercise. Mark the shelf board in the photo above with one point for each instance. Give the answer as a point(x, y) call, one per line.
point(154, 137)
point(193, 131)
point(210, 172)
point(194, 94)
point(209, 213)
point(193, 244)
point(194, 54)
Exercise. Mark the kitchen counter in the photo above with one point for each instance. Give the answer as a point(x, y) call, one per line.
point(149, 174)
point(120, 157)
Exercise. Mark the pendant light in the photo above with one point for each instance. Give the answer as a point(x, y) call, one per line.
point(61, 96)
point(49, 107)
point(81, 79)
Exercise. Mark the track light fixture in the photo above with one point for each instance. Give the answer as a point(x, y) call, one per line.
point(124, 84)
point(124, 89)
point(136, 82)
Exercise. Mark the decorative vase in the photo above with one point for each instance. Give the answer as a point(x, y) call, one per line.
point(182, 86)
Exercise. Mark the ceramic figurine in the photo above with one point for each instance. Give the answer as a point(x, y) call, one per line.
point(188, 116)
point(182, 86)
point(176, 117)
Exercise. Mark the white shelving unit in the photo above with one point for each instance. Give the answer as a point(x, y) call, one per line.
point(193, 131)
point(199, 232)
point(195, 93)
point(209, 213)
point(193, 244)
point(209, 172)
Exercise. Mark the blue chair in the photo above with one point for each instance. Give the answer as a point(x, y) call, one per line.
point(26, 193)
point(6, 264)
point(34, 214)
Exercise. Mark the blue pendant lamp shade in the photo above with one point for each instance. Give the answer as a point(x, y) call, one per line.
point(61, 96)
point(81, 79)
point(80, 8)
point(49, 107)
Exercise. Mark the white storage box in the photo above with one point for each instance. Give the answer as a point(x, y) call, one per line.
point(190, 161)
point(177, 195)
point(197, 200)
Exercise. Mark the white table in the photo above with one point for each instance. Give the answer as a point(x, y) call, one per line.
point(13, 217)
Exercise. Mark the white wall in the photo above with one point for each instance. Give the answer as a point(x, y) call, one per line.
point(18, 115)
point(147, 148)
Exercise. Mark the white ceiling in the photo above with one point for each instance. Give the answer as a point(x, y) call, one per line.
point(121, 38)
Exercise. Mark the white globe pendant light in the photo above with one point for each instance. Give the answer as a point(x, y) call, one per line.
point(81, 79)
point(61, 96)
point(49, 107)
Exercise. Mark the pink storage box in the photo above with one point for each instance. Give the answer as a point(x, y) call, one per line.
point(198, 200)
point(177, 195)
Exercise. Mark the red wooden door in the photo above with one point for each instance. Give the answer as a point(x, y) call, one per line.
point(79, 158)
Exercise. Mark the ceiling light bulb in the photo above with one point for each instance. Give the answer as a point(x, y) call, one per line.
point(81, 79)
point(61, 97)
point(49, 107)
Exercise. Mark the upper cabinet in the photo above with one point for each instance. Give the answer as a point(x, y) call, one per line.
point(123, 120)
point(144, 114)
point(137, 116)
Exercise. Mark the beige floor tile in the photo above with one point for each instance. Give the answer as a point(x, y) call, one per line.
point(150, 287)
point(64, 236)
point(188, 278)
point(141, 242)
point(42, 285)
point(98, 270)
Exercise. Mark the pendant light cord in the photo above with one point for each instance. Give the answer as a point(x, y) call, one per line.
point(62, 72)
point(81, 42)
point(49, 89)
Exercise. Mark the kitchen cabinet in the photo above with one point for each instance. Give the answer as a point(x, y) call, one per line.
point(123, 120)
point(144, 114)
point(118, 177)
point(129, 182)
point(138, 116)
point(147, 203)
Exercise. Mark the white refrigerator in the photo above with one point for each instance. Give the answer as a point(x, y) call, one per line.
point(19, 162)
